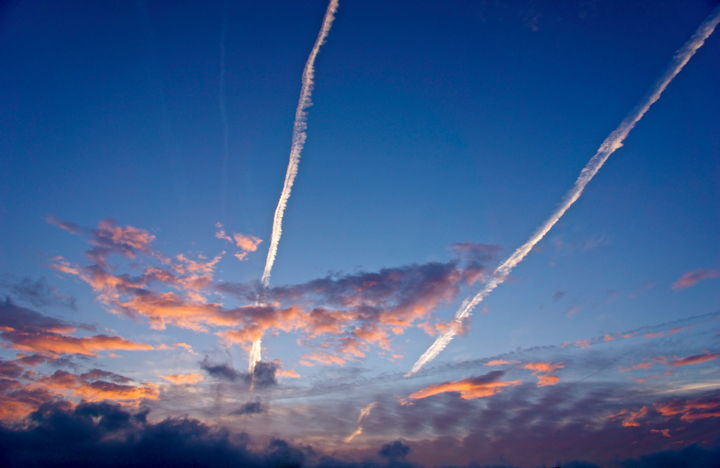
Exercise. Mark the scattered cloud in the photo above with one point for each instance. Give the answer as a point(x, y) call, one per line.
point(184, 379)
point(475, 387)
point(696, 359)
point(246, 243)
point(691, 278)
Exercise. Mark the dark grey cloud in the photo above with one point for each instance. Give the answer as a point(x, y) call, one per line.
point(263, 374)
point(106, 435)
point(394, 450)
point(221, 371)
point(99, 374)
point(27, 320)
point(251, 407)
point(35, 292)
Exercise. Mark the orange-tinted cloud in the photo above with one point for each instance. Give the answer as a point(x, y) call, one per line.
point(246, 243)
point(543, 367)
point(696, 359)
point(632, 419)
point(342, 315)
point(546, 380)
point(499, 362)
point(183, 379)
point(287, 374)
point(474, 387)
point(70, 385)
point(691, 409)
point(321, 358)
point(661, 334)
point(642, 365)
point(691, 278)
point(55, 344)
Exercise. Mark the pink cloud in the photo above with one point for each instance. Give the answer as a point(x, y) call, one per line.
point(691, 278)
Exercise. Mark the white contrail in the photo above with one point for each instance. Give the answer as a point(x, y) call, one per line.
point(364, 413)
point(299, 136)
point(255, 355)
point(298, 139)
point(612, 143)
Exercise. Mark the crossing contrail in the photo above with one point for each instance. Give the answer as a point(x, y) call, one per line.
point(611, 144)
point(299, 136)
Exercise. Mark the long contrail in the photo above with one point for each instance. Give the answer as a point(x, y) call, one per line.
point(611, 144)
point(299, 136)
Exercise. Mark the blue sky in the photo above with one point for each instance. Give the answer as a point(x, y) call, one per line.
point(433, 123)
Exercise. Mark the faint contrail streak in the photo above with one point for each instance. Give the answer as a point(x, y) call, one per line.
point(223, 110)
point(612, 143)
point(299, 136)
point(364, 413)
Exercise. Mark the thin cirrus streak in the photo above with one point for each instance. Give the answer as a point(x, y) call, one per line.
point(611, 144)
point(299, 136)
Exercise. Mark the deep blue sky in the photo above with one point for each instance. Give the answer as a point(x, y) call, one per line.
point(433, 123)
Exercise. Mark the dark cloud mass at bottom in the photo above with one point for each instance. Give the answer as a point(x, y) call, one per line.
point(108, 435)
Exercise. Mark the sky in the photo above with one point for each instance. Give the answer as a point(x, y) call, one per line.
point(143, 152)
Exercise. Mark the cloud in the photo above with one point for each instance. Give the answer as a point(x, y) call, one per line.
point(396, 450)
point(691, 278)
point(499, 362)
point(546, 380)
point(263, 375)
point(67, 384)
point(287, 374)
point(56, 344)
point(27, 330)
point(663, 334)
point(691, 409)
point(246, 243)
point(36, 292)
point(98, 374)
point(475, 387)
point(341, 315)
point(251, 407)
point(221, 371)
point(539, 367)
point(109, 238)
point(183, 379)
point(26, 320)
point(355, 311)
point(696, 359)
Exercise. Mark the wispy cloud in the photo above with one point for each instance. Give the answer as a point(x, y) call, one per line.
point(475, 387)
point(691, 278)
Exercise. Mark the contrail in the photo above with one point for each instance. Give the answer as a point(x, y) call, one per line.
point(223, 109)
point(255, 355)
point(364, 413)
point(299, 136)
point(611, 144)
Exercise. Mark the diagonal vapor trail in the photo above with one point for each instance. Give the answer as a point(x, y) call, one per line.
point(299, 135)
point(364, 413)
point(611, 144)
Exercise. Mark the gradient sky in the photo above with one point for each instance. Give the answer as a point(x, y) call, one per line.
point(441, 135)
